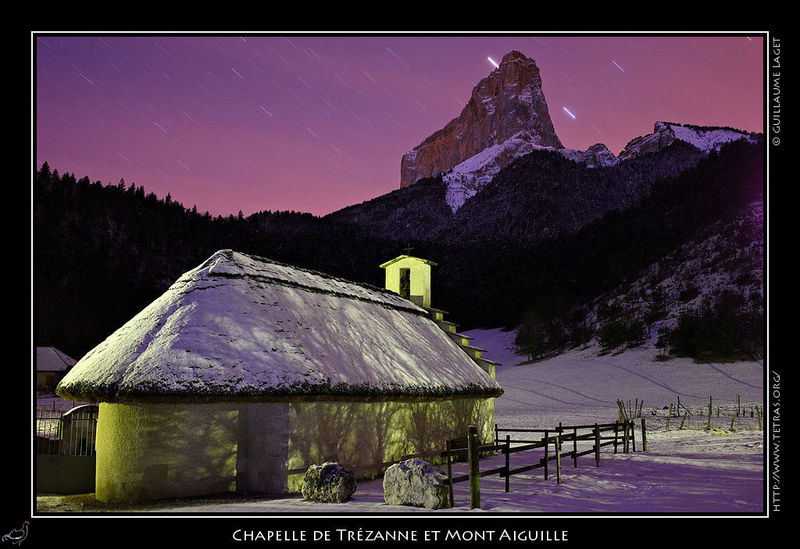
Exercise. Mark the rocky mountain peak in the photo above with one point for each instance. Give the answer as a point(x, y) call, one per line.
point(509, 103)
point(513, 55)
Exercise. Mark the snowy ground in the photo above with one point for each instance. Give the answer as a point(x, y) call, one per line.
point(688, 470)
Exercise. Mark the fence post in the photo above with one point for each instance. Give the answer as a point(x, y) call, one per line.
point(597, 445)
point(669, 415)
point(616, 436)
point(546, 443)
point(508, 461)
point(558, 457)
point(496, 434)
point(625, 437)
point(474, 468)
point(633, 435)
point(450, 474)
point(575, 446)
point(560, 433)
point(644, 437)
point(708, 426)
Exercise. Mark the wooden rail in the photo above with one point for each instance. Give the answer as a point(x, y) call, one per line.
point(623, 434)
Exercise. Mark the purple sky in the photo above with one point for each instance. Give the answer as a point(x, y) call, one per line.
point(316, 123)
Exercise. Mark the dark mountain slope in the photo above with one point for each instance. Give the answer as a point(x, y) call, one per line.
point(617, 273)
point(416, 212)
point(543, 194)
point(538, 196)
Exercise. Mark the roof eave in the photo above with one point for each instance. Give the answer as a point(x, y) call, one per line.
point(279, 397)
point(401, 257)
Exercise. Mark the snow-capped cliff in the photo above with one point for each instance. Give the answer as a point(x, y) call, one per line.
point(507, 102)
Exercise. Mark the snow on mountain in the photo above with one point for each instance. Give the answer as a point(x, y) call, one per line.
point(707, 140)
point(508, 101)
point(468, 177)
point(595, 156)
point(507, 117)
point(664, 134)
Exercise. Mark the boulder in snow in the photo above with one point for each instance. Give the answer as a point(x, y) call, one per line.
point(328, 483)
point(414, 482)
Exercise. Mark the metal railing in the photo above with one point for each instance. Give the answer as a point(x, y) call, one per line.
point(70, 433)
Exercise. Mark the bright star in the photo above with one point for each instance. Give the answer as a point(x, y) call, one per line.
point(566, 110)
point(492, 61)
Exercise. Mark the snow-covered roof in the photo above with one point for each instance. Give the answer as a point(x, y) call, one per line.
point(240, 327)
point(50, 359)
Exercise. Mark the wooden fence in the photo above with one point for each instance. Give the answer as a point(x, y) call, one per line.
point(599, 435)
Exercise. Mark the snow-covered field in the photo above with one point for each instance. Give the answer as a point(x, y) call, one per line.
point(688, 470)
point(682, 472)
point(582, 387)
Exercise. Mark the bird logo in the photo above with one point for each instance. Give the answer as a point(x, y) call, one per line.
point(17, 536)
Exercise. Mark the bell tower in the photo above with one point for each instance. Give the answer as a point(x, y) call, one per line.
point(410, 277)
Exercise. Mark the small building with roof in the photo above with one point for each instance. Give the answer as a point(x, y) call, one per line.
point(51, 366)
point(246, 371)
